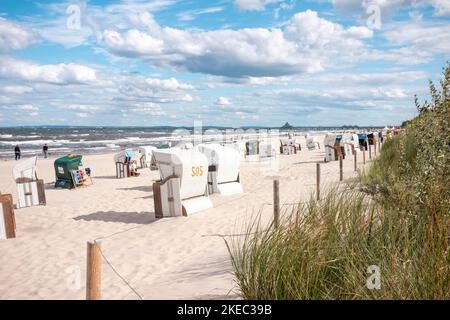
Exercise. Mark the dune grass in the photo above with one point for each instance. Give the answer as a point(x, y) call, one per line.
point(396, 217)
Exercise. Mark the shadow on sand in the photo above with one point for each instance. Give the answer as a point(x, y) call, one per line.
point(104, 177)
point(138, 188)
point(123, 217)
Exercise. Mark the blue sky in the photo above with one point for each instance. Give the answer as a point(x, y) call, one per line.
point(225, 62)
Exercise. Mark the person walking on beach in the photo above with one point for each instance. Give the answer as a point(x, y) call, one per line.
point(17, 152)
point(45, 151)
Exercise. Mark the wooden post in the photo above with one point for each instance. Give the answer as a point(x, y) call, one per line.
point(375, 149)
point(318, 180)
point(276, 203)
point(370, 152)
point(364, 155)
point(94, 271)
point(341, 168)
point(379, 144)
point(355, 160)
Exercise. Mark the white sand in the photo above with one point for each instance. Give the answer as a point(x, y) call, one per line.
point(170, 258)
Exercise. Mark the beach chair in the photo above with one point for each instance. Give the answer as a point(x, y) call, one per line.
point(312, 143)
point(30, 190)
point(182, 189)
point(267, 149)
point(146, 156)
point(331, 143)
point(347, 144)
point(223, 169)
point(26, 169)
point(363, 141)
point(355, 142)
point(7, 218)
point(289, 146)
point(123, 159)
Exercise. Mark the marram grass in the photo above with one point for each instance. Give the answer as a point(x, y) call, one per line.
point(396, 217)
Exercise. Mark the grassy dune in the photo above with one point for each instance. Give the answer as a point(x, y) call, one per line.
point(397, 217)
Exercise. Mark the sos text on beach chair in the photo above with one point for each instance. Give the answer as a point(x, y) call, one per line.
point(182, 189)
point(223, 169)
point(7, 219)
point(30, 190)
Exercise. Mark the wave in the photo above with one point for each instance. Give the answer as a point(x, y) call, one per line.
point(79, 135)
point(35, 142)
point(27, 137)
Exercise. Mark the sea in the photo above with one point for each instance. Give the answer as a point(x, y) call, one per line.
point(89, 140)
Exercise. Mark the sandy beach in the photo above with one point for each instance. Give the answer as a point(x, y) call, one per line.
point(169, 258)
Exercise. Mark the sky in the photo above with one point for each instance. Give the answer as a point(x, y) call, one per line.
point(225, 62)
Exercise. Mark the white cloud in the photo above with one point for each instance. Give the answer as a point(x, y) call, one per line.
point(420, 37)
point(313, 33)
point(167, 84)
point(27, 107)
point(254, 5)
point(14, 36)
point(94, 19)
point(81, 107)
point(153, 89)
point(225, 82)
point(441, 7)
point(5, 99)
point(222, 101)
point(16, 89)
point(340, 93)
point(306, 45)
point(62, 73)
point(363, 79)
point(147, 108)
point(82, 114)
point(192, 14)
point(133, 43)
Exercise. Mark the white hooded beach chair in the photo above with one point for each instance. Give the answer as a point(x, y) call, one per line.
point(223, 169)
point(288, 146)
point(123, 160)
point(355, 141)
point(348, 145)
point(146, 153)
point(312, 143)
point(267, 149)
point(182, 189)
point(26, 169)
point(330, 147)
point(30, 190)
